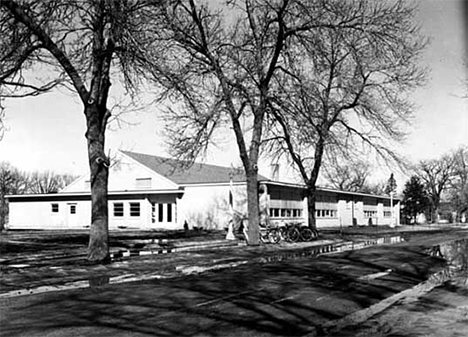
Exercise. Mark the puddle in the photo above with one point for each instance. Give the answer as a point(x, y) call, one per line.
point(375, 275)
point(18, 265)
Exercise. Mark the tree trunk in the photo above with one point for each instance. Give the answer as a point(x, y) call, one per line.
point(311, 199)
point(253, 209)
point(98, 248)
point(311, 183)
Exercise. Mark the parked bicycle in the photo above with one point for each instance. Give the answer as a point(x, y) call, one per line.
point(269, 234)
point(295, 232)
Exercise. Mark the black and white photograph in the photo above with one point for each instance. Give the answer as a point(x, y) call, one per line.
point(234, 168)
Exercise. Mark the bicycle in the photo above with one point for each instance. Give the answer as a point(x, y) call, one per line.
point(269, 234)
point(307, 234)
point(295, 232)
point(289, 232)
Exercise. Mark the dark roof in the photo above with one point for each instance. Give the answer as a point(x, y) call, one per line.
point(181, 173)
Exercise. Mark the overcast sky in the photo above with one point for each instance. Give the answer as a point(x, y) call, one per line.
point(47, 132)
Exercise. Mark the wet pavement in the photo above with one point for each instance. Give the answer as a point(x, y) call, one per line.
point(40, 262)
point(43, 263)
point(283, 290)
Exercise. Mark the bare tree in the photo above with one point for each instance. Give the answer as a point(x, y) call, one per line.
point(224, 65)
point(348, 90)
point(83, 45)
point(12, 181)
point(347, 176)
point(377, 188)
point(437, 175)
point(48, 182)
point(458, 189)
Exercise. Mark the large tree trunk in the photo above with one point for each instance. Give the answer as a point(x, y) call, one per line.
point(311, 199)
point(311, 191)
point(98, 248)
point(253, 209)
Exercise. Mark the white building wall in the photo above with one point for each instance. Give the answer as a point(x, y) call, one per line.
point(39, 215)
point(207, 206)
point(123, 176)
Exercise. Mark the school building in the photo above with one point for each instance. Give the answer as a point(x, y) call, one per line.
point(150, 192)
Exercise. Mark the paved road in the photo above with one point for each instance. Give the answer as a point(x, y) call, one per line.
point(288, 298)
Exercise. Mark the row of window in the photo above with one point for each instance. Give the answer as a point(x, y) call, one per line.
point(159, 215)
point(164, 212)
point(118, 209)
point(297, 213)
point(326, 213)
point(285, 212)
point(159, 212)
point(55, 208)
point(370, 214)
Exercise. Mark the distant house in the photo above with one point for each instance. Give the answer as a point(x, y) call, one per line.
point(149, 192)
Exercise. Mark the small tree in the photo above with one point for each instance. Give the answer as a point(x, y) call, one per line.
point(415, 199)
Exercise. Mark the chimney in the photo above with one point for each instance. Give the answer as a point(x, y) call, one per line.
point(275, 172)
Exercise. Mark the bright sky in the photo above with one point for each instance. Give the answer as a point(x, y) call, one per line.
point(47, 132)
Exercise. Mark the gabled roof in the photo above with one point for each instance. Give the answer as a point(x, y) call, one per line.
point(181, 173)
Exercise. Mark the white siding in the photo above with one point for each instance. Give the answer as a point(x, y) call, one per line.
point(38, 215)
point(123, 176)
point(208, 206)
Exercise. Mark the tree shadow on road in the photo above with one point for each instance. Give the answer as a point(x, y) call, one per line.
point(291, 298)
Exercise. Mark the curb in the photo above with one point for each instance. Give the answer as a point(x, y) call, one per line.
point(180, 270)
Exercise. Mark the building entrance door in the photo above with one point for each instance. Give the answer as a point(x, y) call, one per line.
point(72, 217)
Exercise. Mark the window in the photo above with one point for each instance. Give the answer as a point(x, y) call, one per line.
point(326, 213)
point(169, 212)
point(142, 183)
point(370, 214)
point(72, 209)
point(118, 209)
point(135, 209)
point(55, 208)
point(387, 214)
point(153, 212)
point(160, 212)
point(274, 212)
